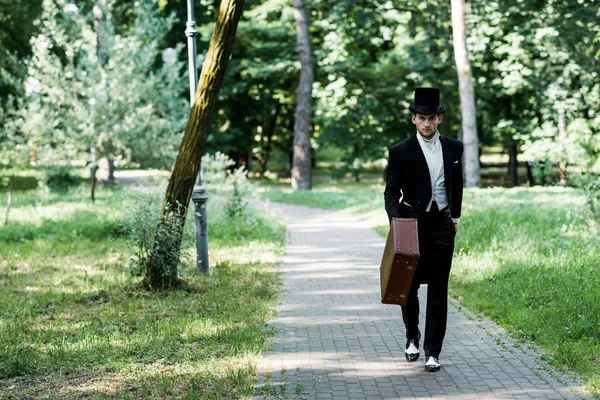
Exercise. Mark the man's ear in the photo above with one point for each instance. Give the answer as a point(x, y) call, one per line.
point(439, 118)
point(414, 118)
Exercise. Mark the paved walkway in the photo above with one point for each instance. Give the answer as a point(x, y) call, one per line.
point(335, 340)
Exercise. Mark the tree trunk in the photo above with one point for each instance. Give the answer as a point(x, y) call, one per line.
point(412, 25)
point(267, 136)
point(301, 171)
point(467, 95)
point(99, 11)
point(9, 199)
point(93, 181)
point(529, 174)
point(513, 165)
point(243, 159)
point(162, 266)
point(111, 173)
point(562, 135)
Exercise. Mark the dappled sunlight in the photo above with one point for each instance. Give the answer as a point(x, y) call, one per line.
point(88, 269)
point(468, 268)
point(329, 276)
point(374, 217)
point(42, 213)
point(139, 380)
point(330, 254)
point(330, 320)
point(544, 196)
point(68, 275)
point(349, 291)
point(105, 383)
point(316, 226)
point(69, 386)
point(15, 266)
point(64, 323)
point(111, 336)
point(243, 254)
point(325, 274)
point(331, 325)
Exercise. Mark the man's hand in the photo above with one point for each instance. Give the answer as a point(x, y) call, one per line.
point(455, 228)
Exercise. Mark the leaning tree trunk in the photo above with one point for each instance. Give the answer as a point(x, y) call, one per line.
point(467, 95)
point(162, 266)
point(301, 171)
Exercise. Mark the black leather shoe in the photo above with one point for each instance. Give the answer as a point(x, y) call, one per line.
point(412, 351)
point(432, 364)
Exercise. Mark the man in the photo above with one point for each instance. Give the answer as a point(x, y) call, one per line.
point(424, 181)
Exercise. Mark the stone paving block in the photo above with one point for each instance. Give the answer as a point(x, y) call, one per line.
point(335, 338)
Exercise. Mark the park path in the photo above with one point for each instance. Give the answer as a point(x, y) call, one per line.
point(335, 340)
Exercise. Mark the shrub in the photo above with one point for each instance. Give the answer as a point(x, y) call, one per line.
point(143, 231)
point(590, 183)
point(232, 185)
point(61, 177)
point(214, 169)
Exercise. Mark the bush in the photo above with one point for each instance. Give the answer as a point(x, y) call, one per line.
point(239, 189)
point(214, 169)
point(233, 185)
point(61, 177)
point(142, 233)
point(590, 183)
point(541, 172)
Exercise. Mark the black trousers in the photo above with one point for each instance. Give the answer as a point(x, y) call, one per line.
point(436, 245)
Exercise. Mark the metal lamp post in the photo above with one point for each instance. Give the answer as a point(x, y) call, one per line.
point(199, 195)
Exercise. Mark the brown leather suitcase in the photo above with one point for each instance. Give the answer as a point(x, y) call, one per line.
point(399, 261)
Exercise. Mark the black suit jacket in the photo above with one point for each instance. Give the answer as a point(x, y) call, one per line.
point(407, 176)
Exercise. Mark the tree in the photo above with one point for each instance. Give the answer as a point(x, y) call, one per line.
point(129, 109)
point(255, 110)
point(532, 59)
point(371, 56)
point(14, 154)
point(17, 21)
point(467, 95)
point(162, 264)
point(301, 170)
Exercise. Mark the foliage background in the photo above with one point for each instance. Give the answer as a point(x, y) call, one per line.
point(532, 62)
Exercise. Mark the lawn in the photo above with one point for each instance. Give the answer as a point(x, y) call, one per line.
point(528, 258)
point(74, 322)
point(363, 198)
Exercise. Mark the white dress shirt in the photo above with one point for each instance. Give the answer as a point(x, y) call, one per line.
point(432, 149)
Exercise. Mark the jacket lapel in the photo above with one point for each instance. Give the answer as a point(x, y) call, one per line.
point(447, 162)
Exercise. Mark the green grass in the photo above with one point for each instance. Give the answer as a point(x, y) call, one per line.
point(529, 258)
point(74, 323)
point(330, 195)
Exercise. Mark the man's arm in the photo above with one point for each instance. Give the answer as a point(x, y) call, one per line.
point(457, 185)
point(393, 185)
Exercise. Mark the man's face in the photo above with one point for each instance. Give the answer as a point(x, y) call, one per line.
point(427, 124)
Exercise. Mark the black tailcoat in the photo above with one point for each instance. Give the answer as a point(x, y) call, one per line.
point(407, 176)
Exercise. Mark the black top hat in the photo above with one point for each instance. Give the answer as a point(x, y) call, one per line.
point(427, 102)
